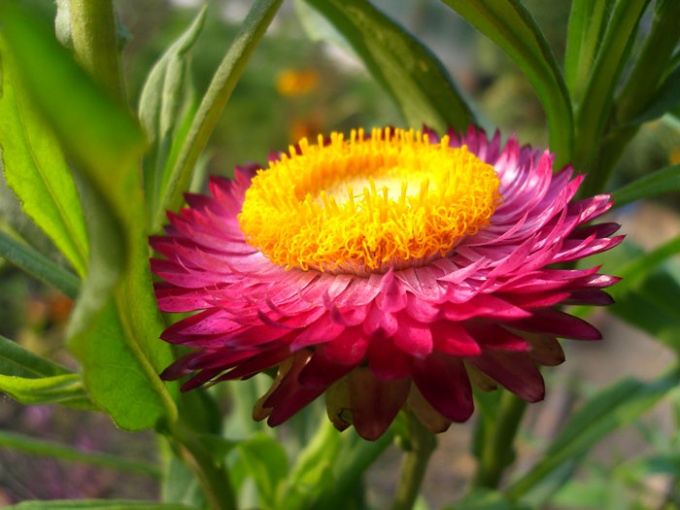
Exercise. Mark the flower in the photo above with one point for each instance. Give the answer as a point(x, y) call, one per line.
point(292, 82)
point(388, 271)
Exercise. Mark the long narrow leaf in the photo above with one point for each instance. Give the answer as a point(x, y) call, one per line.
point(59, 451)
point(510, 26)
point(64, 389)
point(612, 408)
point(666, 180)
point(97, 504)
point(36, 170)
point(162, 108)
point(35, 264)
point(414, 77)
point(665, 99)
point(19, 362)
point(586, 22)
point(594, 111)
point(216, 97)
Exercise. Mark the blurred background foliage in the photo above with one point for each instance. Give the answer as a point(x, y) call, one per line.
point(293, 87)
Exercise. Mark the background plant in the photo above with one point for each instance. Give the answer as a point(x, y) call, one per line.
point(95, 175)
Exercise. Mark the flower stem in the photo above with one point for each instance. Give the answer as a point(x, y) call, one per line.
point(414, 464)
point(497, 449)
point(212, 475)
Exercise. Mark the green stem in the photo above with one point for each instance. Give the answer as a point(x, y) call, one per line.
point(93, 30)
point(212, 475)
point(497, 450)
point(414, 464)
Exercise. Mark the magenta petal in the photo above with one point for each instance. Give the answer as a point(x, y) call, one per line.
point(515, 371)
point(256, 364)
point(349, 347)
point(444, 382)
point(322, 370)
point(413, 337)
point(375, 402)
point(289, 397)
point(386, 361)
point(452, 338)
point(321, 331)
point(559, 324)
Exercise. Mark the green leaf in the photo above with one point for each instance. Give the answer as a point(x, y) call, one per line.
point(311, 474)
point(94, 129)
point(118, 376)
point(510, 26)
point(666, 180)
point(650, 284)
point(267, 463)
point(59, 451)
point(180, 486)
point(166, 100)
point(603, 413)
point(36, 170)
point(350, 461)
point(406, 69)
point(586, 26)
point(485, 499)
point(115, 325)
point(598, 97)
point(652, 305)
point(97, 504)
point(651, 65)
point(17, 361)
point(584, 495)
point(34, 263)
point(64, 389)
point(665, 99)
point(218, 93)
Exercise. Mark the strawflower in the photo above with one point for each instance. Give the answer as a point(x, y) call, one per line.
point(388, 271)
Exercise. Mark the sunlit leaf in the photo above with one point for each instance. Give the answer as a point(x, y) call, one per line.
point(36, 170)
point(115, 325)
point(33, 380)
point(118, 376)
point(510, 26)
point(222, 85)
point(64, 389)
point(406, 69)
point(163, 104)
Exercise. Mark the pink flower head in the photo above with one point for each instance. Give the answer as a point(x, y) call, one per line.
point(387, 271)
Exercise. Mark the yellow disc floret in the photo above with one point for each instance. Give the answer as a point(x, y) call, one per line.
point(366, 204)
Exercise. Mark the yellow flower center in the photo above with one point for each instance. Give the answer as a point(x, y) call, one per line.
point(366, 204)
